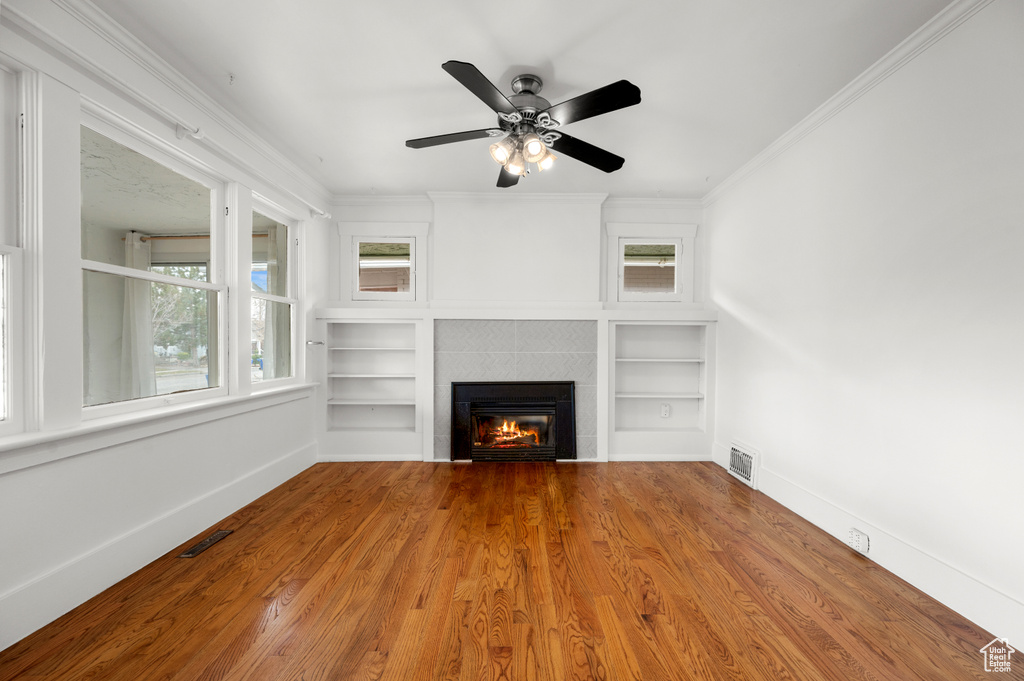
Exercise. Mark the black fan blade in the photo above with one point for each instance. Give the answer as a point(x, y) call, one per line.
point(507, 179)
point(422, 142)
point(588, 153)
point(596, 102)
point(477, 83)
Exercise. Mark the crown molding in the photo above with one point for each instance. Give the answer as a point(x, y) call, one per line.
point(128, 46)
point(640, 202)
point(943, 23)
point(343, 201)
point(530, 199)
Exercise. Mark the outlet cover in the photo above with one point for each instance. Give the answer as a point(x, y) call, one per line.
point(859, 541)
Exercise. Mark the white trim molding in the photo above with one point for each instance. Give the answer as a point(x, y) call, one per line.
point(33, 449)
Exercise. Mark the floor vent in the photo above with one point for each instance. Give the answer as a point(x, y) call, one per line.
point(206, 543)
point(743, 464)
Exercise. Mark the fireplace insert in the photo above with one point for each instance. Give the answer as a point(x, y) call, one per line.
point(513, 421)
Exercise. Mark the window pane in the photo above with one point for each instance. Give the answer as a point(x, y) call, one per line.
point(3, 338)
point(649, 268)
point(143, 338)
point(136, 212)
point(269, 256)
point(271, 340)
point(10, 109)
point(193, 271)
point(384, 266)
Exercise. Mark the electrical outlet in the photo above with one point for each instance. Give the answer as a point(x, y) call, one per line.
point(859, 541)
point(666, 410)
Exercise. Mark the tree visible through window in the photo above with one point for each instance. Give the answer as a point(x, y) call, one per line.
point(271, 303)
point(181, 326)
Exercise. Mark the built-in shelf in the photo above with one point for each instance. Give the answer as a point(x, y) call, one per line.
point(660, 430)
point(659, 396)
point(372, 375)
point(370, 400)
point(378, 429)
point(658, 377)
point(337, 375)
point(659, 360)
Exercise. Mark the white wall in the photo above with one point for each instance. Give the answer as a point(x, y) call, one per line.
point(117, 499)
point(871, 301)
point(86, 501)
point(526, 249)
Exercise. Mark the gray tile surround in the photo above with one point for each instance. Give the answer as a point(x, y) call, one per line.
point(516, 350)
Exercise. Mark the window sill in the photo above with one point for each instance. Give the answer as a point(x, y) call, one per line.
point(32, 449)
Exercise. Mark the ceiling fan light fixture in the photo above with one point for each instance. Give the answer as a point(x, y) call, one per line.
point(502, 151)
point(528, 123)
point(516, 165)
point(533, 147)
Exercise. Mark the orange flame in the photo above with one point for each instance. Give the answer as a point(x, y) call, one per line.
point(509, 432)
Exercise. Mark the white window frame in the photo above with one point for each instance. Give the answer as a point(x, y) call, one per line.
point(13, 349)
point(266, 208)
point(12, 288)
point(152, 148)
point(413, 233)
point(681, 236)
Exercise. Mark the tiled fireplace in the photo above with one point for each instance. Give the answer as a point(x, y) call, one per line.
point(473, 350)
point(513, 420)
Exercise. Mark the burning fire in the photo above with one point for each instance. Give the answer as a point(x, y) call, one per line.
point(510, 435)
point(508, 431)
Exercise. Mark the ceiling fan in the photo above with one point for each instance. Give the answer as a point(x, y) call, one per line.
point(530, 126)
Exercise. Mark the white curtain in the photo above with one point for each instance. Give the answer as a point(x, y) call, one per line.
point(138, 371)
point(277, 359)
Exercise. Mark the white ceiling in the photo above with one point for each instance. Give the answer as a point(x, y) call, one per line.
point(338, 86)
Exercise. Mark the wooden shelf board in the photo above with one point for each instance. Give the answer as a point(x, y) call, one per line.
point(369, 429)
point(659, 396)
point(340, 375)
point(691, 360)
point(371, 402)
point(340, 347)
point(658, 430)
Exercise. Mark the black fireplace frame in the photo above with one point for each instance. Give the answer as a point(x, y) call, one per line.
point(495, 395)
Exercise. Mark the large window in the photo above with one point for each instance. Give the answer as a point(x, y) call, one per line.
point(151, 296)
point(272, 302)
point(10, 253)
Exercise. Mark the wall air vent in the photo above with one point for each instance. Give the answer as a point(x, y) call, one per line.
point(206, 543)
point(743, 464)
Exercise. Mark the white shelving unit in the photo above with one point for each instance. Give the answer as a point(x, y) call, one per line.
point(371, 376)
point(659, 383)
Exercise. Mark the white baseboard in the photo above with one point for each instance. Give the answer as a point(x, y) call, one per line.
point(376, 456)
point(47, 597)
point(990, 609)
point(657, 456)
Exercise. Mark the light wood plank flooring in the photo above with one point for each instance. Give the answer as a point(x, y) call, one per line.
point(510, 571)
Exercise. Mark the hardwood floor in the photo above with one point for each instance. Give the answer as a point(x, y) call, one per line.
point(509, 571)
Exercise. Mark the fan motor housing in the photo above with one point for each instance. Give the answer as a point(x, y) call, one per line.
point(525, 98)
point(527, 82)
